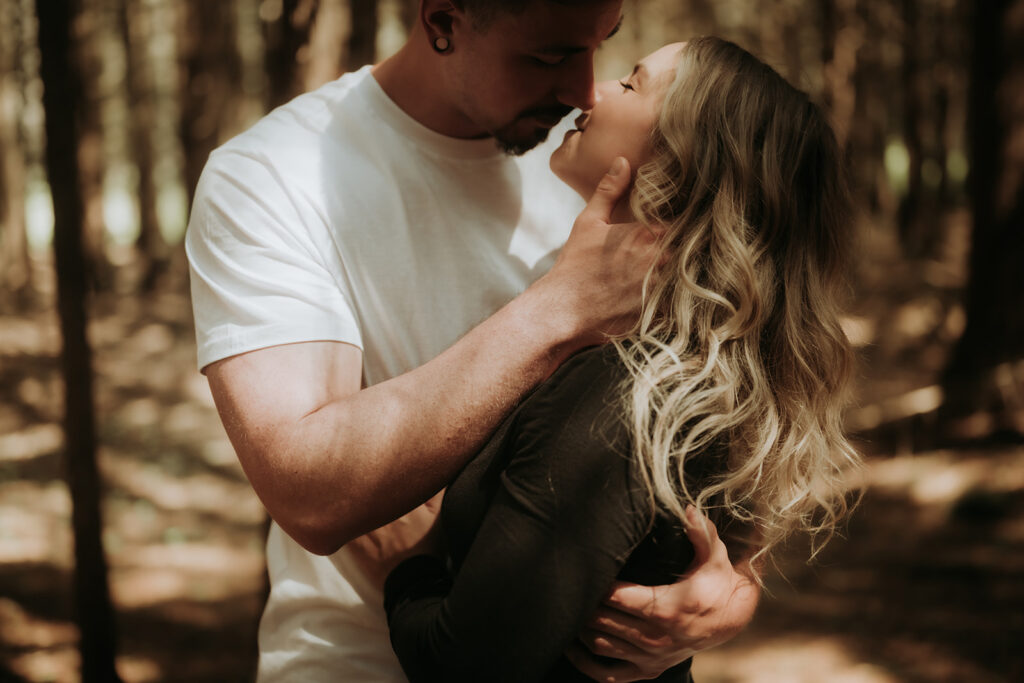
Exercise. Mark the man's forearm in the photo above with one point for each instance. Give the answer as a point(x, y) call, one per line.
point(331, 461)
point(357, 462)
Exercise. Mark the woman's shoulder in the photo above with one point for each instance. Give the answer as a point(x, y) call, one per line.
point(578, 410)
point(592, 374)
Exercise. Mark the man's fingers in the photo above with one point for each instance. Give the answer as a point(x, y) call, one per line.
point(604, 645)
point(609, 191)
point(633, 630)
point(632, 598)
point(607, 671)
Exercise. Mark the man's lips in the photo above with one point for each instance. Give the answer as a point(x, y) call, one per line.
point(581, 122)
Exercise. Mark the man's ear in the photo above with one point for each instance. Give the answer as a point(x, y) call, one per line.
point(438, 18)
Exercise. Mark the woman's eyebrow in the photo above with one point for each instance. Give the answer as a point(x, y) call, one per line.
point(640, 73)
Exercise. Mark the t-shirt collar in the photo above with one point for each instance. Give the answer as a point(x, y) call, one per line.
point(384, 108)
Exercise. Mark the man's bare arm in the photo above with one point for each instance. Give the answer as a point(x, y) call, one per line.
point(331, 462)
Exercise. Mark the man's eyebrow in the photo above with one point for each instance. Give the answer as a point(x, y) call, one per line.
point(576, 49)
point(618, 25)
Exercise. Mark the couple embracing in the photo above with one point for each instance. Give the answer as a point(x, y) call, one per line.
point(398, 289)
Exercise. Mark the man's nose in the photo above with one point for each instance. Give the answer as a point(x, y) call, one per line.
point(577, 86)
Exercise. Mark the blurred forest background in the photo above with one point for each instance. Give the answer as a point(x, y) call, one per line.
point(96, 172)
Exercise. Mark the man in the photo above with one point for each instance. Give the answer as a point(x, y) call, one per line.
point(344, 252)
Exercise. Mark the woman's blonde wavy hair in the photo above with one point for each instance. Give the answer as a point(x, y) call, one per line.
point(738, 365)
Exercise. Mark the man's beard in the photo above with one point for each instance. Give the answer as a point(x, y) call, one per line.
point(513, 141)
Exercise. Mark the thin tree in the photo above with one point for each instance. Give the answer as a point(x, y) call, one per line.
point(210, 82)
point(93, 610)
point(985, 373)
point(362, 41)
point(150, 245)
point(15, 268)
point(284, 35)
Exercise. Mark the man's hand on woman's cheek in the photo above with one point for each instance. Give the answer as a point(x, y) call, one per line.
point(650, 629)
point(598, 277)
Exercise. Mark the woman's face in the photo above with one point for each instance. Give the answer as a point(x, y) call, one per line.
point(620, 123)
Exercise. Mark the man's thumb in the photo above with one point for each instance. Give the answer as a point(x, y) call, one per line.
point(699, 533)
point(610, 189)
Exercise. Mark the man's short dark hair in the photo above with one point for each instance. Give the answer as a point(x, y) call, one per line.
point(484, 11)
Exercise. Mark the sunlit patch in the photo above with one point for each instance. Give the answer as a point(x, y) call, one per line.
point(138, 669)
point(30, 442)
point(859, 330)
point(943, 477)
point(919, 317)
point(788, 660)
point(916, 402)
point(205, 492)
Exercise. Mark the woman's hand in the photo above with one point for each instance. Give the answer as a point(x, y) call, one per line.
point(650, 629)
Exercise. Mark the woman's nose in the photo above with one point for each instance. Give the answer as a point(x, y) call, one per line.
point(603, 89)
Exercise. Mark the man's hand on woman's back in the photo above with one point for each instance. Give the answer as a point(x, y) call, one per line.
point(650, 629)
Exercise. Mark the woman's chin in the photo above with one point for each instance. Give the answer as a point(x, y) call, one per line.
point(563, 170)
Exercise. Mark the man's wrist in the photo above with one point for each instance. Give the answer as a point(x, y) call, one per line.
point(545, 310)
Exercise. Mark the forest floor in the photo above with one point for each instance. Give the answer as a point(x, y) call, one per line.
point(926, 584)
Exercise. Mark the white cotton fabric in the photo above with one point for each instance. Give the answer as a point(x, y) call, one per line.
point(338, 217)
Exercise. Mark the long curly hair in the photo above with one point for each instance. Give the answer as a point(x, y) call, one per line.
point(738, 365)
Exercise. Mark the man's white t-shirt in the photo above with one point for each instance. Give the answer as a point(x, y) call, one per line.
point(338, 217)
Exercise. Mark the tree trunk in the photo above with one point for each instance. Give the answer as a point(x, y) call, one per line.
point(86, 37)
point(150, 247)
point(985, 375)
point(92, 598)
point(211, 79)
point(909, 215)
point(362, 41)
point(15, 267)
point(284, 36)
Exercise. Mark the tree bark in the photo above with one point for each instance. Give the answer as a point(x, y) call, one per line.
point(985, 373)
point(362, 41)
point(284, 36)
point(15, 266)
point(93, 611)
point(210, 81)
point(150, 247)
point(86, 36)
point(909, 215)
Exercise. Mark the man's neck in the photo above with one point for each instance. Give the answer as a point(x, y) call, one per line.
point(411, 79)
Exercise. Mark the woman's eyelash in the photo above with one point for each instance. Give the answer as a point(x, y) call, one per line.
point(625, 85)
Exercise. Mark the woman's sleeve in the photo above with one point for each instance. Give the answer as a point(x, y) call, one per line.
point(561, 526)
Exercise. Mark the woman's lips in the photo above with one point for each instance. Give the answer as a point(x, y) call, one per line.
point(581, 122)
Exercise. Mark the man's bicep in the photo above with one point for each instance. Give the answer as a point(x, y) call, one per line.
point(263, 395)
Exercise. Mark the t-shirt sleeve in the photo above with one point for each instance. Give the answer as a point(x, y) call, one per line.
point(259, 277)
point(555, 536)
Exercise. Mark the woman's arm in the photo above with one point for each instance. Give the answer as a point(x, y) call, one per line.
point(555, 536)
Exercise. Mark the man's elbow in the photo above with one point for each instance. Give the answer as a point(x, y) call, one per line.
point(320, 527)
point(316, 535)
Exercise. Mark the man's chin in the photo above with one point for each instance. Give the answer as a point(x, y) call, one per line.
point(517, 142)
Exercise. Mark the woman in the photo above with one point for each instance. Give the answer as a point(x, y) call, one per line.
point(725, 399)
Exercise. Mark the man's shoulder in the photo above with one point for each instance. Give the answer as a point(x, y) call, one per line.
point(307, 123)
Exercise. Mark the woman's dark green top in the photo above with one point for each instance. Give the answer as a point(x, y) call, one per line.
point(537, 526)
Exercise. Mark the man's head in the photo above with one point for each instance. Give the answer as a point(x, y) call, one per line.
point(513, 68)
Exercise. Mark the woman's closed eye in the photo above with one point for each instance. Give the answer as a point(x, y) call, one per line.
point(626, 86)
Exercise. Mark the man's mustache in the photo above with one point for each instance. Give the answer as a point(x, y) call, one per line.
point(554, 112)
